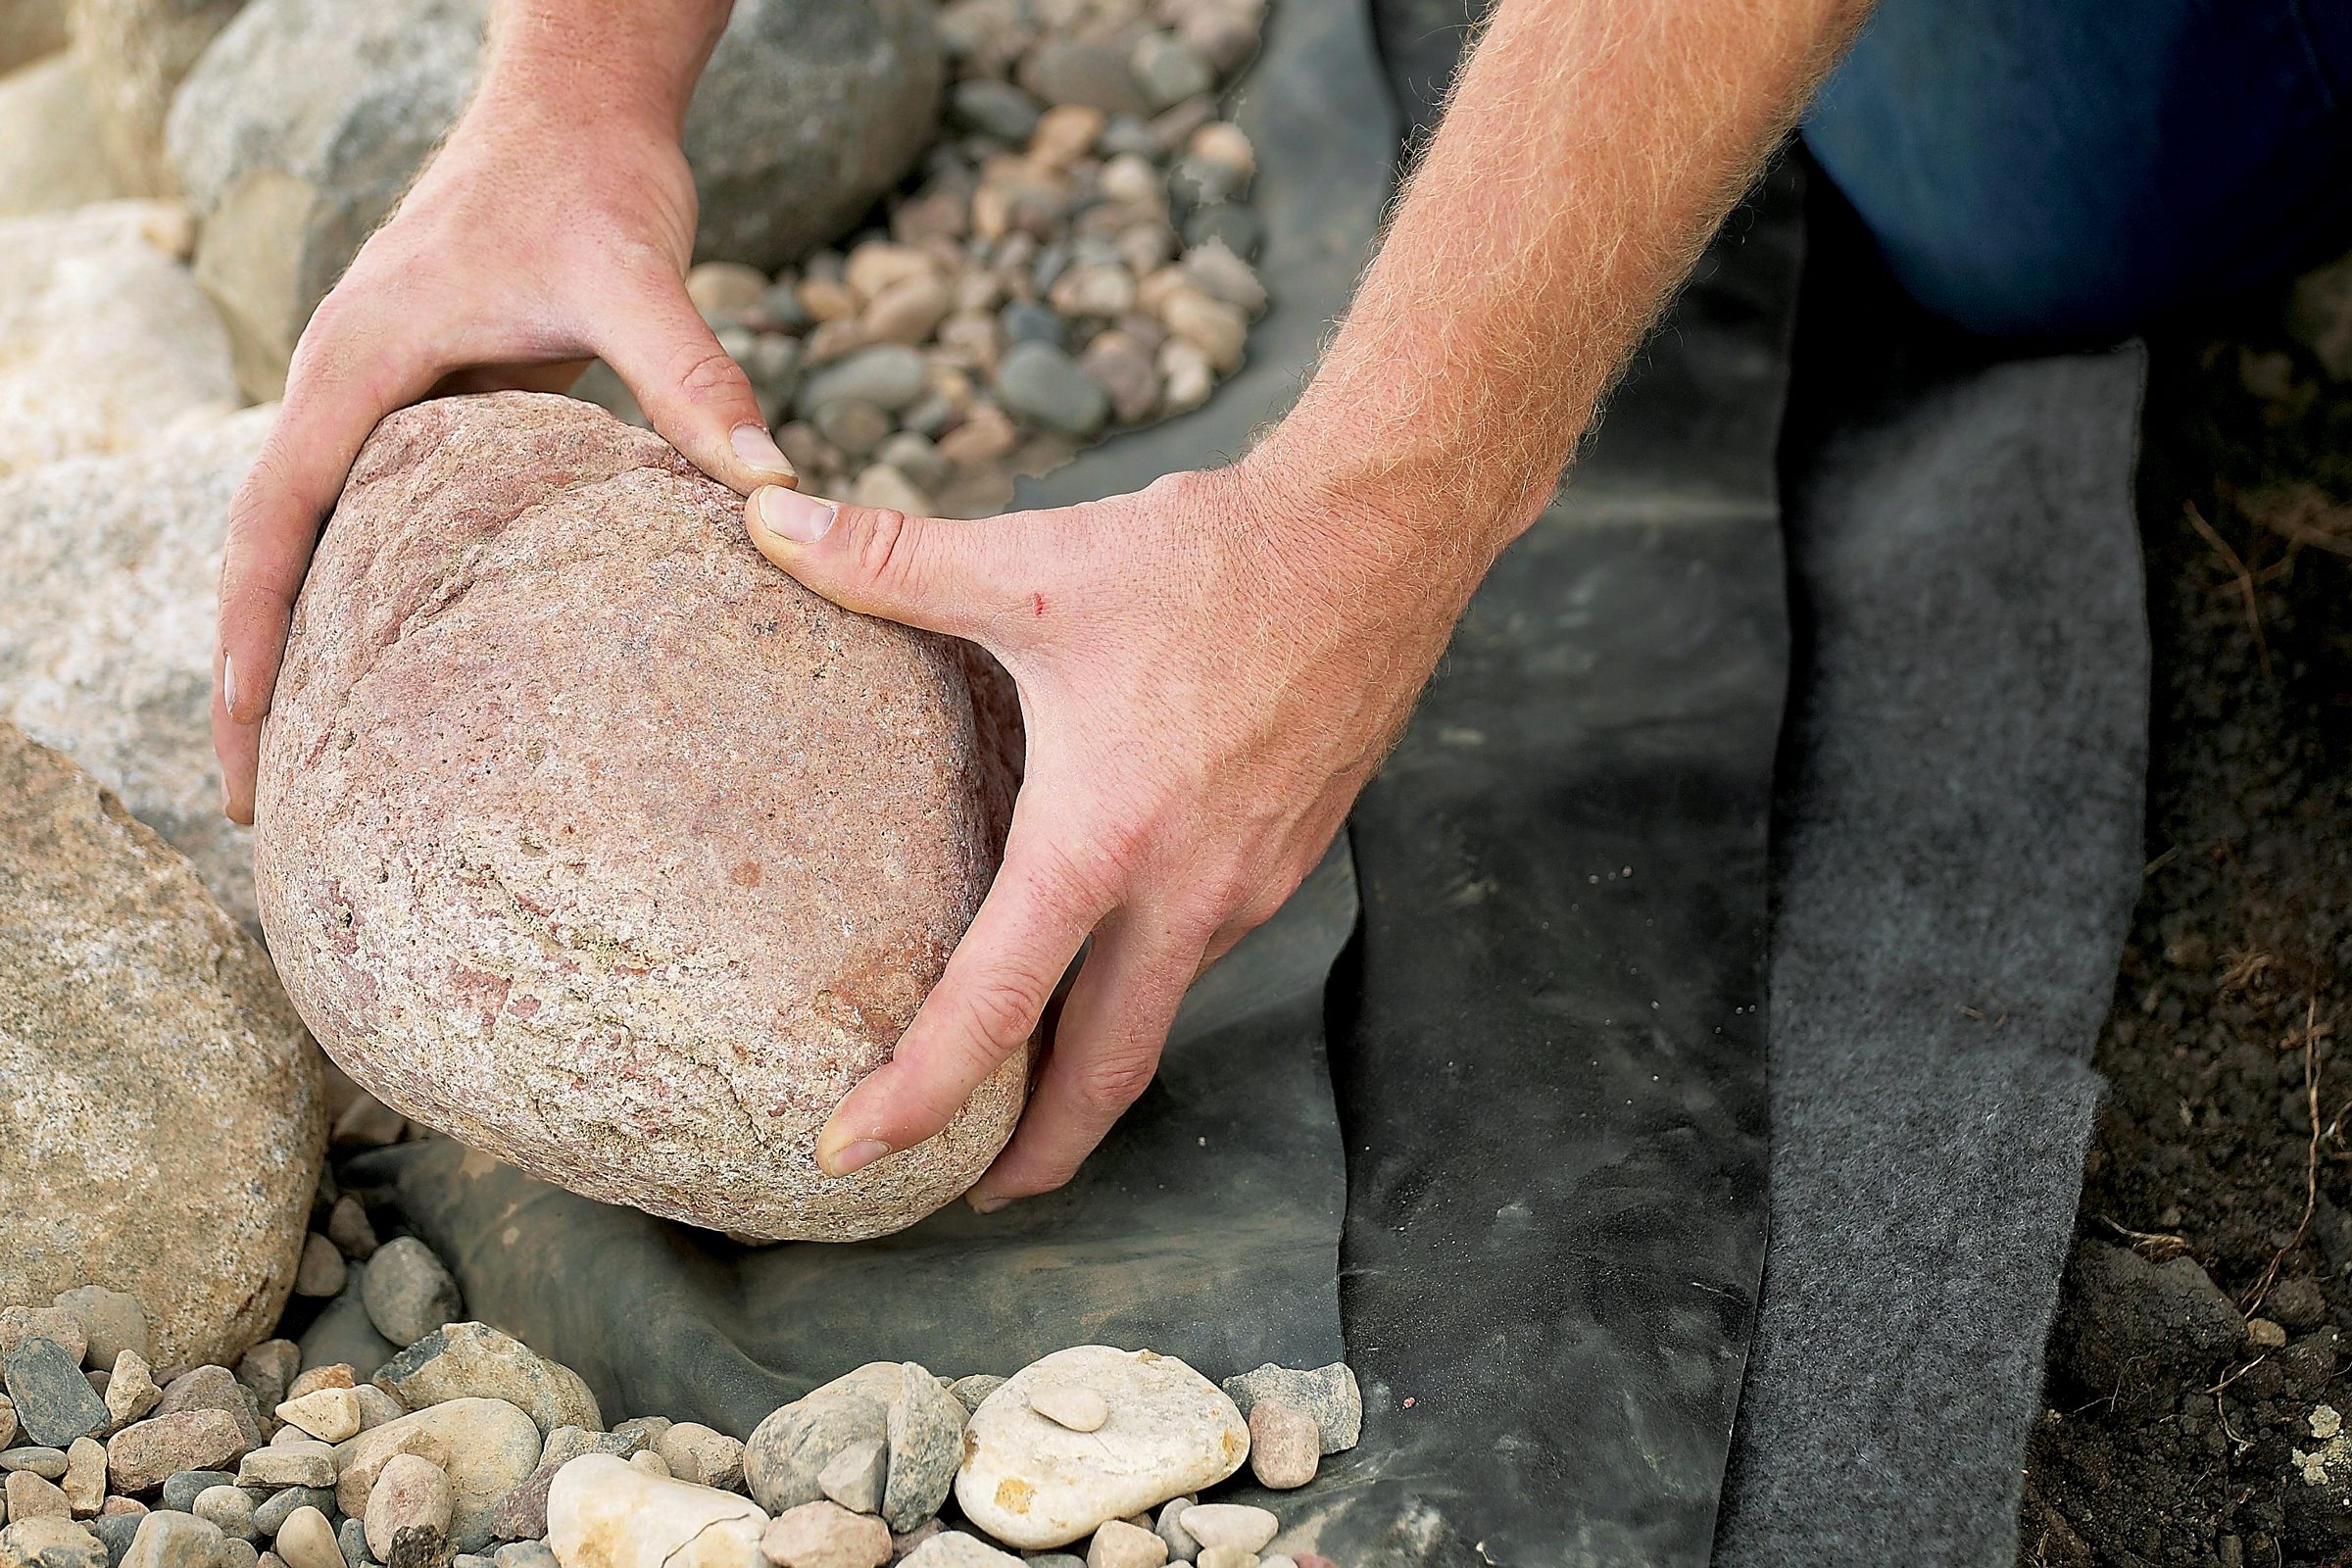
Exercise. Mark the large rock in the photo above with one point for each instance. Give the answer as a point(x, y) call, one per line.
point(136, 53)
point(603, 1512)
point(164, 1115)
point(590, 838)
point(106, 342)
point(108, 576)
point(49, 139)
point(308, 119)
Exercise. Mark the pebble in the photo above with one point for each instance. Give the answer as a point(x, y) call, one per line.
point(646, 1429)
point(52, 1323)
point(112, 1322)
point(826, 1535)
point(1187, 377)
point(525, 1554)
point(916, 457)
point(343, 1331)
point(1225, 1557)
point(183, 1488)
point(8, 1421)
point(724, 291)
point(853, 426)
point(54, 1402)
point(1082, 72)
point(85, 1479)
point(1232, 1525)
point(50, 1543)
point(701, 1455)
point(235, 1553)
point(143, 1454)
point(351, 1539)
point(300, 1462)
point(1232, 224)
point(47, 1464)
point(376, 1407)
point(1223, 145)
point(650, 1462)
point(1041, 382)
point(321, 1272)
point(271, 1516)
point(1218, 272)
point(166, 1539)
point(349, 1228)
point(904, 1543)
point(131, 1506)
point(908, 311)
point(228, 1510)
point(854, 1476)
point(889, 377)
point(408, 1292)
point(994, 108)
point(1284, 1444)
point(790, 1447)
point(487, 1447)
point(329, 1414)
point(409, 1512)
point(1182, 1547)
point(924, 1427)
point(1096, 290)
point(882, 486)
point(876, 265)
point(970, 1391)
point(367, 1123)
point(1329, 1395)
point(2263, 1335)
point(1170, 1430)
point(1124, 368)
point(1081, 1410)
point(1027, 321)
point(32, 1496)
point(1168, 70)
point(566, 1444)
point(1121, 1544)
point(604, 1514)
point(473, 1360)
point(214, 1388)
point(116, 1531)
point(317, 1379)
point(953, 1548)
point(130, 1391)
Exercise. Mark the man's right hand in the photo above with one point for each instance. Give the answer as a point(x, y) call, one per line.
point(530, 246)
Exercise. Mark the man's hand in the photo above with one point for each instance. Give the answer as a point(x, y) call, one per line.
point(1208, 670)
point(554, 227)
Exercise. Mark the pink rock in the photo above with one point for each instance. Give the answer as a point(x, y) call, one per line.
point(588, 837)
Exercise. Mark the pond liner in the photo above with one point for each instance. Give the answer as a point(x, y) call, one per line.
point(1501, 1141)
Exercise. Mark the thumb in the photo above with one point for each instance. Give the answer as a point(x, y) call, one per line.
point(940, 575)
point(692, 390)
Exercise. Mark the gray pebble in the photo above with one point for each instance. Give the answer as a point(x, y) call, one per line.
point(995, 108)
point(349, 1228)
point(473, 1559)
point(525, 1554)
point(183, 1488)
point(854, 1477)
point(47, 1464)
point(54, 1402)
point(1197, 182)
point(1328, 1394)
point(1077, 70)
point(1232, 224)
point(271, 1516)
point(112, 1322)
point(856, 427)
point(1052, 1559)
point(1127, 135)
point(238, 1553)
point(114, 1532)
point(1027, 321)
point(1039, 382)
point(343, 1331)
point(352, 1537)
point(408, 1292)
point(925, 1431)
point(889, 376)
point(1168, 70)
point(214, 1388)
point(970, 1391)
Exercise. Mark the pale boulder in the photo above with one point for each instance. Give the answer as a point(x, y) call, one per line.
point(106, 342)
point(1035, 1484)
point(588, 837)
point(136, 53)
point(30, 29)
point(48, 136)
point(603, 1512)
point(109, 568)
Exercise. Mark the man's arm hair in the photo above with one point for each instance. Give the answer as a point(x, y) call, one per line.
point(635, 61)
point(1590, 148)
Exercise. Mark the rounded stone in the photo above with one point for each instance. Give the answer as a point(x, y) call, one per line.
point(409, 1510)
point(129, 1000)
point(408, 1290)
point(1284, 1444)
point(589, 837)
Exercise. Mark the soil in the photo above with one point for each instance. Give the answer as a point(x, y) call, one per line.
point(2173, 1432)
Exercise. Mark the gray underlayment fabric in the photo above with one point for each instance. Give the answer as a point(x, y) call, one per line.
point(1957, 851)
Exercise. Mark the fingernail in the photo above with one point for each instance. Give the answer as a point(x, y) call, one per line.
point(985, 1202)
point(791, 515)
point(860, 1155)
point(228, 685)
point(759, 450)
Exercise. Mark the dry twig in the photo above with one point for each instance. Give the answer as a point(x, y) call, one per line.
point(2243, 583)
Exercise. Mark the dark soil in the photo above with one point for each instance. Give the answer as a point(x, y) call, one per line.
point(2220, 1181)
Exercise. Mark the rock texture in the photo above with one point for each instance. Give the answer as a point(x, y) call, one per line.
point(136, 53)
point(165, 1112)
point(30, 29)
point(1034, 1483)
point(48, 138)
point(105, 339)
point(592, 840)
point(108, 568)
point(308, 119)
point(605, 1513)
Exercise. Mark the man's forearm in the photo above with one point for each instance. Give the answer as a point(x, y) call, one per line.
point(628, 61)
point(1590, 148)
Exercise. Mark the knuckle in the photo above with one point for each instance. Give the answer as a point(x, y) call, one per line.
point(1115, 1079)
point(710, 376)
point(884, 550)
point(1001, 1012)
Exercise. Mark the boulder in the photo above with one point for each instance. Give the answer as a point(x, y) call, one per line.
point(308, 119)
point(108, 575)
point(49, 156)
point(106, 342)
point(166, 1114)
point(137, 52)
point(30, 30)
point(603, 1512)
point(591, 839)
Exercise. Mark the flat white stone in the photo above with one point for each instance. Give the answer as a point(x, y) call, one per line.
point(603, 1512)
point(1035, 1484)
